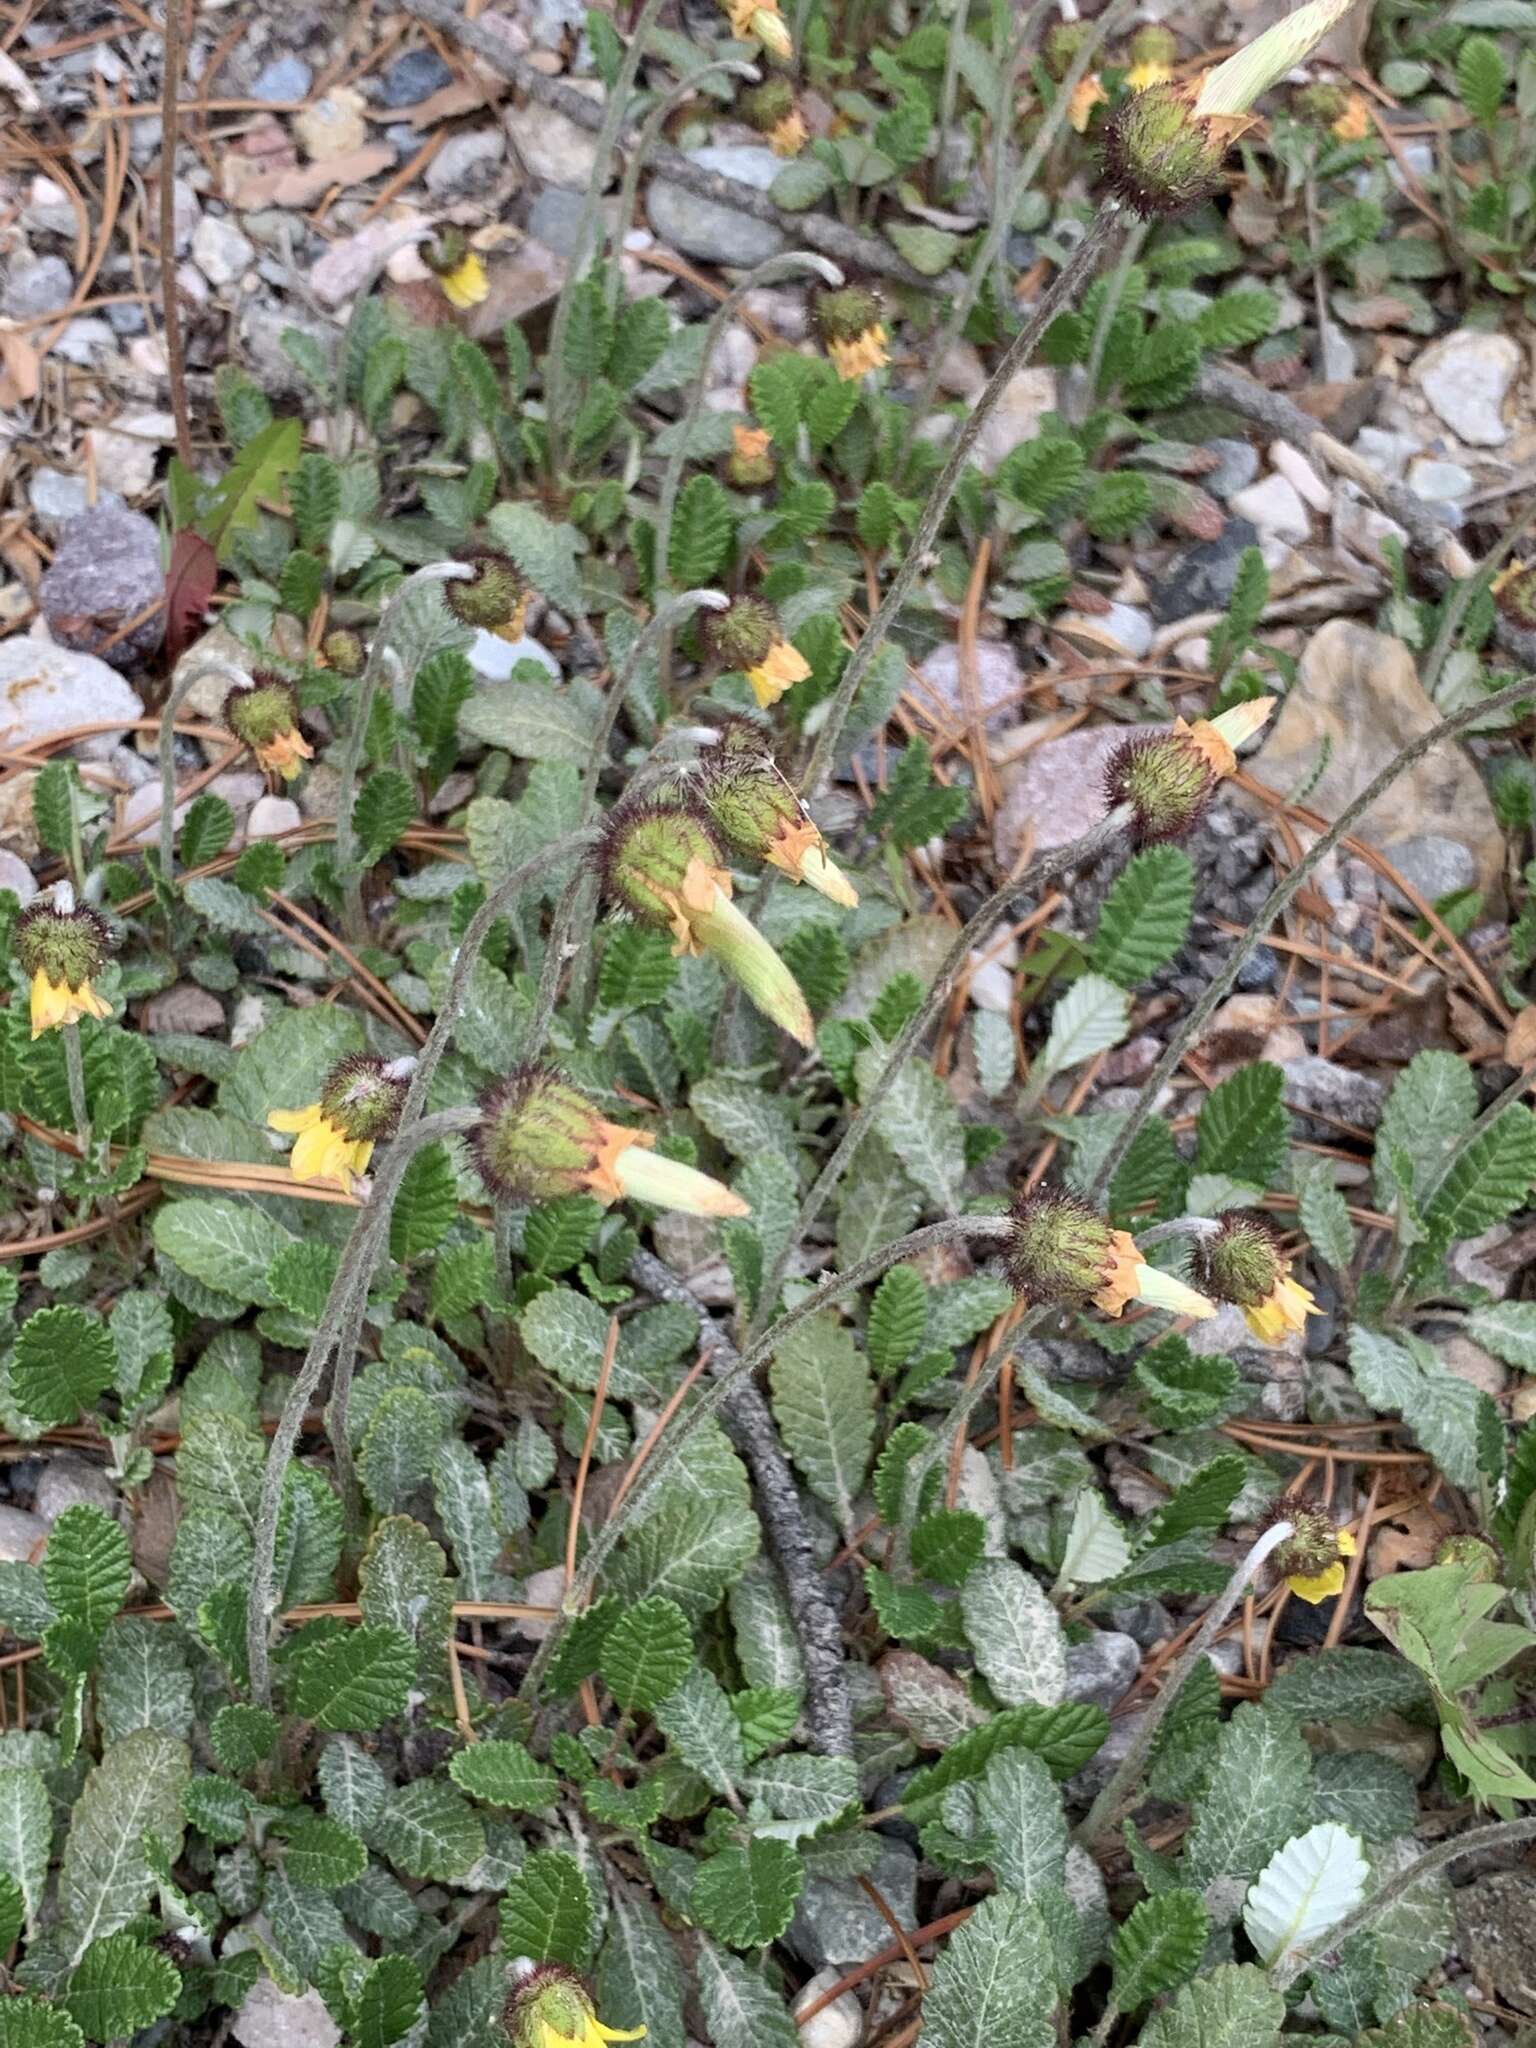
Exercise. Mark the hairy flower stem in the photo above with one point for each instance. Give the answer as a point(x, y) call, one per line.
point(357, 739)
point(74, 1068)
point(1116, 1795)
point(1285, 889)
point(338, 1421)
point(713, 1397)
point(776, 267)
point(749, 1421)
point(351, 1274)
point(1058, 295)
point(579, 894)
point(238, 678)
point(501, 897)
point(640, 149)
point(1109, 829)
point(615, 108)
point(1497, 1835)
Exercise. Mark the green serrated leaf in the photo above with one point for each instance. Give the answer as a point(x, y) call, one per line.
point(546, 1911)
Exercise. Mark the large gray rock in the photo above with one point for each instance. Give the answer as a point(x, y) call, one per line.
point(47, 689)
point(996, 678)
point(709, 230)
point(1057, 790)
point(42, 286)
point(106, 572)
point(1102, 1669)
point(1467, 379)
point(1357, 700)
point(71, 1482)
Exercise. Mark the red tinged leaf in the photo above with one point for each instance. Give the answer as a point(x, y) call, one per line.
point(189, 584)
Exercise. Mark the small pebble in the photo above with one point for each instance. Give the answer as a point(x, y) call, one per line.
point(41, 286)
point(285, 78)
point(414, 78)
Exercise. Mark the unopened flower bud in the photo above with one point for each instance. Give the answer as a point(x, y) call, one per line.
point(1154, 44)
point(61, 952)
point(1063, 41)
point(1166, 778)
point(539, 1138)
point(1061, 1251)
point(1472, 1555)
point(852, 324)
point(493, 598)
point(549, 2008)
point(1159, 156)
point(661, 862)
point(747, 635)
point(759, 817)
point(343, 651)
point(761, 21)
point(265, 715)
point(1243, 1262)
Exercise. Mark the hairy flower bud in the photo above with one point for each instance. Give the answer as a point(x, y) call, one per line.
point(1061, 1251)
point(1154, 44)
point(343, 651)
point(1159, 156)
point(549, 2008)
point(661, 862)
point(1311, 1559)
point(457, 268)
point(770, 109)
point(494, 598)
point(1063, 41)
point(852, 324)
point(747, 635)
point(750, 463)
point(359, 1105)
point(265, 715)
point(758, 815)
point(1243, 1262)
point(61, 952)
point(1167, 777)
point(539, 1138)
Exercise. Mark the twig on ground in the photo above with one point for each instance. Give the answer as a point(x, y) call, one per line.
point(748, 1421)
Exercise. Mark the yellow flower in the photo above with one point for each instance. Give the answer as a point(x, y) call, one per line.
point(789, 136)
point(1285, 1307)
point(282, 754)
point(1326, 1584)
point(749, 443)
point(547, 2035)
point(782, 667)
point(551, 2009)
point(1354, 124)
point(1146, 73)
point(866, 351)
point(465, 285)
point(761, 19)
point(322, 1150)
point(55, 1004)
point(1130, 1278)
point(1087, 94)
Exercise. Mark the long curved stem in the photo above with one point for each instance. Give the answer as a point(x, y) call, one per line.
point(357, 738)
point(640, 149)
point(352, 1272)
point(790, 265)
point(1058, 295)
point(615, 108)
point(1277, 899)
point(1106, 1808)
point(711, 1398)
point(167, 747)
point(1093, 842)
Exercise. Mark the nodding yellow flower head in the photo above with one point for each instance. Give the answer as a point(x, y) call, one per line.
point(457, 269)
point(1243, 1263)
point(1060, 1251)
point(1354, 124)
point(662, 863)
point(62, 951)
point(359, 1104)
point(1167, 777)
point(750, 462)
point(758, 815)
point(1312, 1560)
point(852, 324)
point(539, 1138)
point(1087, 94)
point(265, 715)
point(760, 21)
point(747, 635)
point(550, 2008)
point(1147, 72)
point(494, 598)
point(770, 108)
point(1153, 50)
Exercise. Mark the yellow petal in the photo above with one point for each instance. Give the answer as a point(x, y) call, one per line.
point(49, 1002)
point(313, 1150)
point(465, 285)
point(1346, 1542)
point(294, 1119)
point(596, 2027)
point(1321, 1586)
